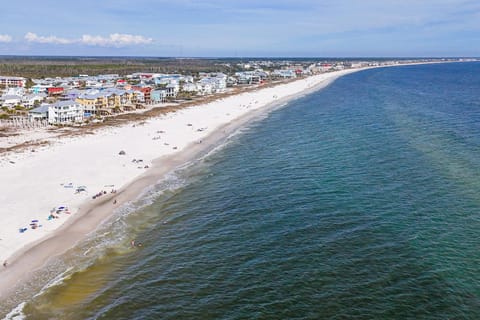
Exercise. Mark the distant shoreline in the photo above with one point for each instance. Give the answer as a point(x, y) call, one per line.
point(34, 66)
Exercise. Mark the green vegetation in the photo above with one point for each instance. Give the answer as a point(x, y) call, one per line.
point(45, 67)
point(29, 83)
point(186, 95)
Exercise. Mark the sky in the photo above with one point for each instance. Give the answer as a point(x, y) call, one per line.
point(241, 28)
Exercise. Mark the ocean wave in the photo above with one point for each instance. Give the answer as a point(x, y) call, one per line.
point(16, 313)
point(59, 279)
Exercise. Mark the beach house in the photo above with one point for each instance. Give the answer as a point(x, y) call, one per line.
point(212, 83)
point(284, 73)
point(39, 113)
point(12, 81)
point(10, 100)
point(172, 89)
point(65, 112)
point(108, 101)
point(248, 77)
point(31, 100)
point(143, 93)
point(61, 112)
point(91, 101)
point(189, 87)
point(72, 94)
point(158, 95)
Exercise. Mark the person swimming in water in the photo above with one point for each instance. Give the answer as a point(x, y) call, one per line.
point(133, 244)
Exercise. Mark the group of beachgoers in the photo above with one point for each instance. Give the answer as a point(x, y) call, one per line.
point(101, 193)
point(158, 137)
point(140, 161)
point(166, 143)
point(54, 214)
point(78, 189)
point(34, 224)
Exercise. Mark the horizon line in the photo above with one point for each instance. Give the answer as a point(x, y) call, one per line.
point(238, 58)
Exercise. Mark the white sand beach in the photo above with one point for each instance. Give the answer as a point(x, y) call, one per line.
point(69, 172)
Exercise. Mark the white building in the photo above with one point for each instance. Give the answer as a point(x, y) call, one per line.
point(214, 83)
point(10, 100)
point(39, 114)
point(172, 89)
point(205, 87)
point(30, 100)
point(64, 112)
point(189, 87)
point(15, 91)
point(284, 73)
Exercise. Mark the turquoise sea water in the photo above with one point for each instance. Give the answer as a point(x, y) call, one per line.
point(360, 201)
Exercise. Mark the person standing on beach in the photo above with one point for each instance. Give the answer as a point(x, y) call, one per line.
point(5, 263)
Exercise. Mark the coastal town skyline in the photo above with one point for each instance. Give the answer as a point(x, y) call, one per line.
point(241, 28)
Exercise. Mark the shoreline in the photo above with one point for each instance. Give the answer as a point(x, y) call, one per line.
point(90, 214)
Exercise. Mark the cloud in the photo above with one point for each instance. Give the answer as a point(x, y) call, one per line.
point(5, 38)
point(115, 40)
point(32, 37)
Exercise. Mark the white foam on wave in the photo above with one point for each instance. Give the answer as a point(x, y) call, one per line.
point(59, 279)
point(113, 234)
point(16, 313)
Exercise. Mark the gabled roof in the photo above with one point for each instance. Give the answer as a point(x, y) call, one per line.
point(90, 96)
point(35, 96)
point(10, 96)
point(41, 109)
point(74, 91)
point(64, 103)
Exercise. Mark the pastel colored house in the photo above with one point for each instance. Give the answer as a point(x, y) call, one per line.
point(54, 91)
point(158, 96)
point(12, 81)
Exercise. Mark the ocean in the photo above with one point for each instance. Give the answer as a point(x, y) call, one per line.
point(359, 201)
